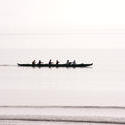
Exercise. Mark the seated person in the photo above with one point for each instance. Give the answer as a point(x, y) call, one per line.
point(67, 62)
point(74, 62)
point(34, 62)
point(50, 62)
point(39, 62)
point(57, 62)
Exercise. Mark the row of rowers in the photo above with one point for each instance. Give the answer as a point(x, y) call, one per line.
point(50, 62)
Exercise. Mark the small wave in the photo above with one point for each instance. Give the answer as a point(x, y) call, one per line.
point(90, 114)
point(88, 119)
point(59, 106)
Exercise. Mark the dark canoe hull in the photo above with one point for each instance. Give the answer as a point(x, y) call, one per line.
point(54, 65)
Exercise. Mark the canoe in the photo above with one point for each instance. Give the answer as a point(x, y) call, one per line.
point(55, 65)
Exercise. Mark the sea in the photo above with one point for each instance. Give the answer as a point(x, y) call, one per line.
point(65, 96)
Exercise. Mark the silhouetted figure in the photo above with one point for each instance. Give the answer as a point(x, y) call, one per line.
point(57, 62)
point(34, 62)
point(68, 62)
point(50, 62)
point(74, 62)
point(39, 62)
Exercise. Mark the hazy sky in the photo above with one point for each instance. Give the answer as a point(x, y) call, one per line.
point(62, 23)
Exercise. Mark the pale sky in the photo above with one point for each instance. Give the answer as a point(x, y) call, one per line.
point(62, 23)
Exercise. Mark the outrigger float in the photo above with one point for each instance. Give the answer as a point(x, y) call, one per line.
point(55, 65)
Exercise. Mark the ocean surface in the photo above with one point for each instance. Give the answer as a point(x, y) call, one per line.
point(51, 96)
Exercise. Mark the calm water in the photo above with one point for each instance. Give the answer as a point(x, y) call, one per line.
point(103, 84)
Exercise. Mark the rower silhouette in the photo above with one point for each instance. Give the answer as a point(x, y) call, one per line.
point(50, 62)
point(39, 62)
point(68, 62)
point(74, 62)
point(34, 62)
point(57, 62)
